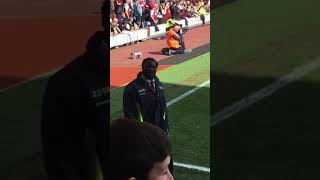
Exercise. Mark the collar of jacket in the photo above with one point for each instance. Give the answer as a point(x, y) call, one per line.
point(147, 80)
point(141, 79)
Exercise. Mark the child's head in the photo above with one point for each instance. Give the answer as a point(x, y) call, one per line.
point(139, 151)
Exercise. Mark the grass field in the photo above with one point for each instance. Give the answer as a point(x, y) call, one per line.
point(256, 43)
point(188, 118)
point(20, 122)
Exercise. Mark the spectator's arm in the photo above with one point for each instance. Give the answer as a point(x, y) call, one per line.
point(151, 16)
point(118, 30)
point(176, 37)
point(127, 14)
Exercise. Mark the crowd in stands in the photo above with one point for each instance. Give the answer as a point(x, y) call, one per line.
point(130, 15)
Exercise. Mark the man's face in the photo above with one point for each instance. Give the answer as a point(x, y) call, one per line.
point(160, 171)
point(177, 28)
point(149, 69)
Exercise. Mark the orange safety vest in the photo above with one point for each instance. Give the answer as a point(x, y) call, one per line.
point(172, 43)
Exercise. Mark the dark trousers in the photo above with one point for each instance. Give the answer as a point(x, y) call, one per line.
point(203, 19)
point(181, 42)
point(179, 50)
point(161, 21)
point(154, 24)
point(138, 21)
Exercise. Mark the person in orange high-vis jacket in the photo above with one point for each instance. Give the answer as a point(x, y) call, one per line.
point(175, 40)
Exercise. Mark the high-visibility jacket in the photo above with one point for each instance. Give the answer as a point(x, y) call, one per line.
point(202, 11)
point(169, 23)
point(171, 42)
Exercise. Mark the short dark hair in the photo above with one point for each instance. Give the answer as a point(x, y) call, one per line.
point(135, 147)
point(149, 59)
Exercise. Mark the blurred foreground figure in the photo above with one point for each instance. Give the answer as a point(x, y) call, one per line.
point(75, 129)
point(139, 151)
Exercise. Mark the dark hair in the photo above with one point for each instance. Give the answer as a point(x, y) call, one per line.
point(149, 59)
point(135, 147)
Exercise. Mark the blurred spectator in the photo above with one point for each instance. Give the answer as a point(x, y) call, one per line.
point(174, 9)
point(162, 11)
point(207, 6)
point(191, 11)
point(200, 6)
point(114, 25)
point(137, 12)
point(154, 11)
point(128, 9)
point(112, 7)
point(118, 7)
point(146, 13)
point(129, 25)
point(167, 13)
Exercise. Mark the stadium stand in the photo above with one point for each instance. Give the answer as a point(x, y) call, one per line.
point(136, 20)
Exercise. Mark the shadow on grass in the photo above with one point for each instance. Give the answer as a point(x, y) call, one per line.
point(156, 53)
point(20, 131)
point(276, 138)
point(171, 91)
point(21, 156)
point(6, 81)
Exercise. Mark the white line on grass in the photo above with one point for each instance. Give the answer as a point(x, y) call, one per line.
point(187, 93)
point(175, 100)
point(268, 90)
point(189, 166)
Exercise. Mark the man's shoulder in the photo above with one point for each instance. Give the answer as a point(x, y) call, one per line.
point(135, 84)
point(157, 79)
point(69, 72)
point(132, 84)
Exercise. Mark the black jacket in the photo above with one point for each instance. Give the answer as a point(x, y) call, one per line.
point(75, 102)
point(139, 100)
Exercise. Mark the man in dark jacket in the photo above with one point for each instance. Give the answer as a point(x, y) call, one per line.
point(75, 112)
point(144, 98)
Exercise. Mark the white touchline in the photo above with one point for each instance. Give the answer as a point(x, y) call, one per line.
point(177, 99)
point(189, 166)
point(187, 93)
point(268, 90)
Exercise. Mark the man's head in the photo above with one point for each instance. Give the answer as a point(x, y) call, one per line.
point(177, 27)
point(139, 151)
point(149, 67)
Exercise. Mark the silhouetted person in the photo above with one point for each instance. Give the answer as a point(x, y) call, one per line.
point(75, 126)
